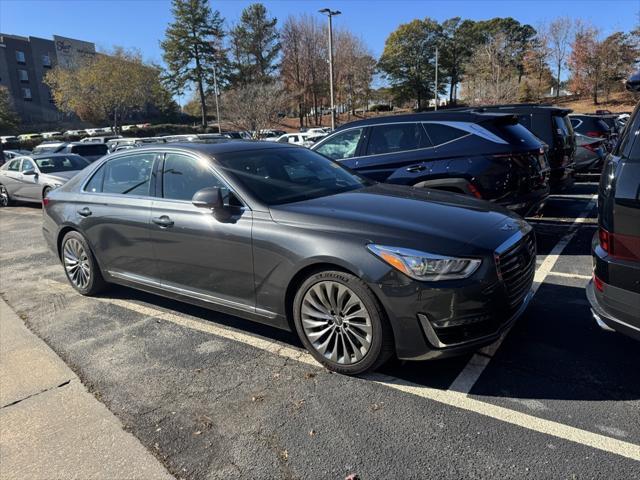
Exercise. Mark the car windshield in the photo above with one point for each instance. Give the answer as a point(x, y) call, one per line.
point(61, 163)
point(286, 175)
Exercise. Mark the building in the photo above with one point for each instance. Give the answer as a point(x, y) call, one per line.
point(24, 62)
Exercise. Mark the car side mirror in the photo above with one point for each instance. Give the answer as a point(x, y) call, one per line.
point(210, 197)
point(29, 172)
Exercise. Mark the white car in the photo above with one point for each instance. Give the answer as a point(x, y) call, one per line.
point(51, 134)
point(318, 131)
point(75, 133)
point(295, 139)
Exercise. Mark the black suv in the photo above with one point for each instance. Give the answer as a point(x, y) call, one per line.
point(614, 291)
point(551, 125)
point(486, 155)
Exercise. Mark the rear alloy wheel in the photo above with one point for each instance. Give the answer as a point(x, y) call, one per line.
point(80, 265)
point(341, 323)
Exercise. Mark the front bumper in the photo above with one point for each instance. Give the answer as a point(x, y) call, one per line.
point(441, 319)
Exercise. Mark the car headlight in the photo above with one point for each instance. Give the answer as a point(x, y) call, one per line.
point(425, 266)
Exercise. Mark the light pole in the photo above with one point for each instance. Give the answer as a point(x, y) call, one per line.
point(216, 93)
point(436, 84)
point(330, 13)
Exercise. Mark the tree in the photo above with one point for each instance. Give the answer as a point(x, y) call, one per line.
point(559, 38)
point(105, 87)
point(254, 107)
point(255, 45)
point(408, 59)
point(492, 73)
point(8, 117)
point(537, 74)
point(600, 65)
point(456, 42)
point(193, 47)
point(353, 67)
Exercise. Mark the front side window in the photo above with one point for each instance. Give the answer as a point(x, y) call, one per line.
point(61, 163)
point(394, 138)
point(183, 176)
point(27, 165)
point(130, 175)
point(440, 134)
point(20, 58)
point(285, 175)
point(342, 145)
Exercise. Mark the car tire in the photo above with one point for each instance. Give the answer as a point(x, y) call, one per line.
point(80, 265)
point(341, 323)
point(5, 199)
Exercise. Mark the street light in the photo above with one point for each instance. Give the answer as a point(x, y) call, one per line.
point(330, 13)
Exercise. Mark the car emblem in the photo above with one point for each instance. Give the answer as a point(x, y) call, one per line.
point(507, 226)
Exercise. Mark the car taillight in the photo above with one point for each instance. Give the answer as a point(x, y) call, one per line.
point(475, 192)
point(45, 201)
point(604, 238)
point(623, 247)
point(599, 284)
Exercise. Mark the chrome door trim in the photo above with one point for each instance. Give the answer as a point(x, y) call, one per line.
point(150, 282)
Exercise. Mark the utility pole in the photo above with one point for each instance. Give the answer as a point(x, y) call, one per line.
point(216, 94)
point(329, 13)
point(436, 84)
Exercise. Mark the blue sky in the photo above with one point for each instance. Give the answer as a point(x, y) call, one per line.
point(141, 23)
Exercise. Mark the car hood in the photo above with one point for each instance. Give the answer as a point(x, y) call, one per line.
point(419, 218)
point(61, 177)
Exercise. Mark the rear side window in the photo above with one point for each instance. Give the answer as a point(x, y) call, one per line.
point(14, 166)
point(183, 176)
point(440, 134)
point(562, 125)
point(394, 138)
point(342, 145)
point(130, 175)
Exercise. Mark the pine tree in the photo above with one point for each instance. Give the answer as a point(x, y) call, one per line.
point(255, 45)
point(8, 117)
point(193, 47)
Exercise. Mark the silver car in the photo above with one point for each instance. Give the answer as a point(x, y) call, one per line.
point(29, 178)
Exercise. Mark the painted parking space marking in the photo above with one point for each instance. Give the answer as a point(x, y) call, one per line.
point(574, 276)
point(446, 397)
point(470, 374)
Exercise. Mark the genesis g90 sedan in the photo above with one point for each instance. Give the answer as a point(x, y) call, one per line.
point(282, 235)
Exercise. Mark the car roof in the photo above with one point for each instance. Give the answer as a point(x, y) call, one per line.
point(460, 115)
point(224, 146)
point(524, 107)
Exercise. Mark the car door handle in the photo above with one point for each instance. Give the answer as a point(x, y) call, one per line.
point(163, 221)
point(84, 212)
point(416, 168)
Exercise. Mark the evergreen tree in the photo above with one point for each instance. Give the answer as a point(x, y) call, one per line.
point(193, 47)
point(255, 46)
point(8, 117)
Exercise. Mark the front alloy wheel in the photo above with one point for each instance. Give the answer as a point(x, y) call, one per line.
point(341, 323)
point(336, 322)
point(4, 196)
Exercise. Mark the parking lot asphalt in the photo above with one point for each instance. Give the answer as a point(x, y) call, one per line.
point(215, 396)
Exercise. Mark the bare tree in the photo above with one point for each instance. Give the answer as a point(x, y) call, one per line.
point(254, 107)
point(492, 73)
point(559, 36)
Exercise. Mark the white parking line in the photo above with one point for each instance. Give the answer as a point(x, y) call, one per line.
point(575, 276)
point(445, 397)
point(470, 374)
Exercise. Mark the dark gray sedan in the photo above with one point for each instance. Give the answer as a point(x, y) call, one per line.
point(284, 236)
point(30, 178)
